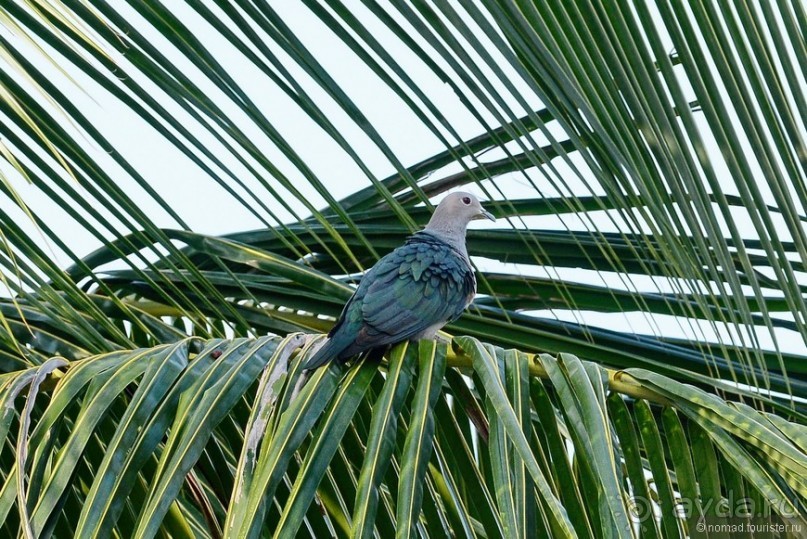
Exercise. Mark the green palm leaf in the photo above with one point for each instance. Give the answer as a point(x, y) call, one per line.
point(184, 401)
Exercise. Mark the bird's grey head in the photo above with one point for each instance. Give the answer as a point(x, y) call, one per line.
point(454, 213)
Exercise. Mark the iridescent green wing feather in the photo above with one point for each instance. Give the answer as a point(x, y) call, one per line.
point(422, 283)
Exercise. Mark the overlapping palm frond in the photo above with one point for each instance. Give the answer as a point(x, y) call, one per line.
point(647, 164)
point(220, 443)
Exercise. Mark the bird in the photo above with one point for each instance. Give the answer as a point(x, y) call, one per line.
point(412, 292)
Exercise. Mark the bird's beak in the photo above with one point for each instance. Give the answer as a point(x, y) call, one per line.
point(484, 214)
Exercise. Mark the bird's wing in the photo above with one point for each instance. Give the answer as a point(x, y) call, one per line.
point(350, 312)
point(420, 284)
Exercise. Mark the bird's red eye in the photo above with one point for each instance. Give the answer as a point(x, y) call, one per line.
point(466, 200)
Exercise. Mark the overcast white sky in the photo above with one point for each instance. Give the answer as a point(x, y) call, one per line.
point(208, 209)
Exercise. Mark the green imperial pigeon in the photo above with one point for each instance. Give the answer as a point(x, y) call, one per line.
point(412, 292)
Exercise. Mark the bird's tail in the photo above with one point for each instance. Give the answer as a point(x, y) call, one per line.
point(327, 352)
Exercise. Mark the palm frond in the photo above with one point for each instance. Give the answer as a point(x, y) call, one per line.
point(223, 441)
point(647, 164)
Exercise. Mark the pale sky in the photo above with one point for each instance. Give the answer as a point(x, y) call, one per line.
point(208, 209)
